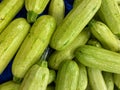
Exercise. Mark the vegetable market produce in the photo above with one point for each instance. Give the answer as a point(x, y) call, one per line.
point(11, 39)
point(57, 10)
point(109, 13)
point(52, 76)
point(58, 56)
point(8, 10)
point(96, 79)
point(74, 23)
point(9, 85)
point(34, 45)
point(98, 58)
point(36, 78)
point(34, 8)
point(67, 76)
point(104, 35)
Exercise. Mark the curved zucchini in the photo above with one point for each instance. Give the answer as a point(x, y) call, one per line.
point(34, 8)
point(36, 78)
point(8, 10)
point(11, 39)
point(58, 56)
point(67, 76)
point(104, 35)
point(98, 58)
point(9, 85)
point(96, 79)
point(34, 45)
point(74, 23)
point(57, 10)
point(109, 13)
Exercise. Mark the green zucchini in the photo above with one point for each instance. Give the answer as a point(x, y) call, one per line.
point(109, 13)
point(11, 39)
point(36, 78)
point(8, 10)
point(34, 8)
point(52, 76)
point(67, 76)
point(98, 58)
point(96, 79)
point(108, 78)
point(58, 56)
point(34, 45)
point(74, 23)
point(116, 78)
point(104, 35)
point(9, 85)
point(57, 10)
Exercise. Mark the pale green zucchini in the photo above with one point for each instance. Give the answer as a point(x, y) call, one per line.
point(11, 39)
point(57, 10)
point(109, 13)
point(34, 8)
point(36, 78)
point(96, 79)
point(58, 56)
point(98, 58)
point(9, 85)
point(104, 35)
point(74, 23)
point(83, 77)
point(8, 10)
point(116, 78)
point(67, 76)
point(108, 78)
point(34, 45)
point(52, 76)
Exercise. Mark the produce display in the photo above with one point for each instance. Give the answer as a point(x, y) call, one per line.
point(59, 44)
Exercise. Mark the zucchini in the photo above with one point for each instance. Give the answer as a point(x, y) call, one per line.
point(109, 13)
point(96, 79)
point(58, 56)
point(34, 8)
point(57, 10)
point(52, 76)
point(8, 10)
point(116, 78)
point(36, 78)
point(34, 45)
point(98, 58)
point(9, 85)
point(74, 23)
point(67, 76)
point(108, 78)
point(83, 77)
point(104, 35)
point(11, 39)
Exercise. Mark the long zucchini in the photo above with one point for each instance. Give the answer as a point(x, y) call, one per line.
point(58, 56)
point(34, 45)
point(8, 10)
point(98, 58)
point(74, 23)
point(11, 39)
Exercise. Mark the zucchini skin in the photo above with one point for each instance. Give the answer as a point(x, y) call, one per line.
point(9, 85)
point(36, 78)
point(98, 58)
point(109, 13)
point(57, 10)
point(67, 76)
point(34, 45)
point(58, 56)
point(74, 23)
point(104, 35)
point(8, 10)
point(116, 79)
point(11, 39)
point(96, 79)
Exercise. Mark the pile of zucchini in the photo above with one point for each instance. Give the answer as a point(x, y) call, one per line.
point(54, 51)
